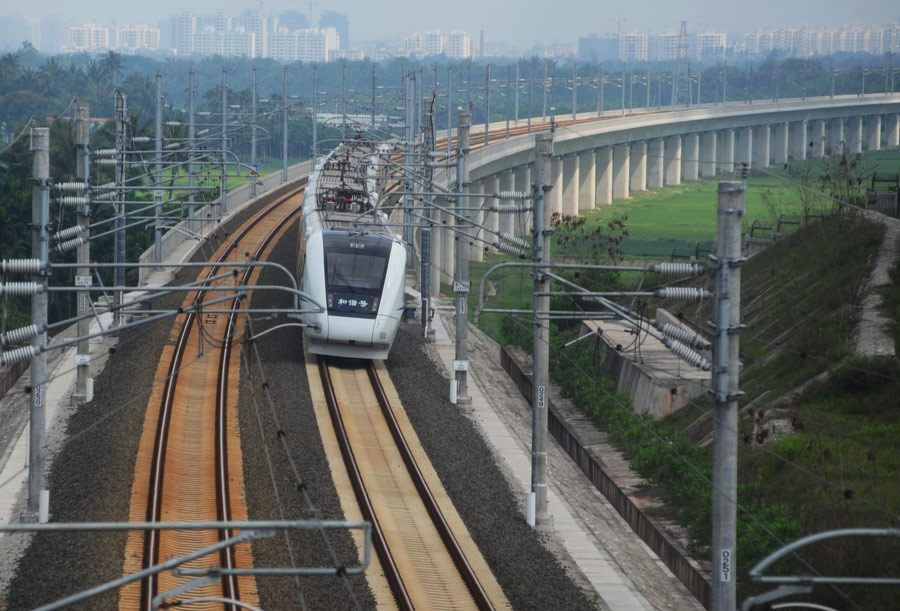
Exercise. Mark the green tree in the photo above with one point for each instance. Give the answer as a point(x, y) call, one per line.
point(113, 66)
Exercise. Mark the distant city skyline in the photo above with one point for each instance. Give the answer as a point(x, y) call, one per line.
point(522, 27)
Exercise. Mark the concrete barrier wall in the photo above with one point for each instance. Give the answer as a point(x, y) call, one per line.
point(206, 218)
point(650, 533)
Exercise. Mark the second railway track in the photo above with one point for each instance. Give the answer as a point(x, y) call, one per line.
point(422, 548)
point(189, 461)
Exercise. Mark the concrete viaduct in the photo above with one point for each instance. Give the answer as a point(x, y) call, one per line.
point(596, 161)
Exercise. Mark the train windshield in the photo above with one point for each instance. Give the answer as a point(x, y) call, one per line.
point(355, 268)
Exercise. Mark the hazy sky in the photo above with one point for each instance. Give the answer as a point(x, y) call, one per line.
point(519, 23)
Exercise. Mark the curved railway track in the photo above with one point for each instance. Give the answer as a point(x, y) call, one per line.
point(424, 564)
point(189, 462)
point(190, 473)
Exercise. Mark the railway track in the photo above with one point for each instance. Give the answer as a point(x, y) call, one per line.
point(189, 461)
point(422, 548)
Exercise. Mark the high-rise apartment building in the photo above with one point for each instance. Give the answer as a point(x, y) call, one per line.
point(434, 43)
point(459, 45)
point(136, 38)
point(633, 46)
point(710, 45)
point(184, 29)
point(341, 24)
point(316, 44)
point(88, 37)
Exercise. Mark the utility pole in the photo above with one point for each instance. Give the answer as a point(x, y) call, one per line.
point(192, 146)
point(343, 101)
point(373, 97)
point(630, 87)
point(83, 253)
point(460, 389)
point(536, 502)
point(121, 146)
point(731, 207)
point(530, 85)
point(487, 102)
point(38, 498)
point(509, 96)
point(517, 93)
point(600, 93)
point(624, 70)
point(724, 81)
point(420, 107)
point(409, 90)
point(425, 286)
point(648, 89)
point(469, 85)
point(699, 80)
point(449, 106)
point(223, 192)
point(284, 127)
point(315, 113)
point(544, 110)
point(253, 94)
point(157, 176)
point(574, 92)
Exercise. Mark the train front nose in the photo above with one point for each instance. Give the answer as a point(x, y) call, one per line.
point(349, 330)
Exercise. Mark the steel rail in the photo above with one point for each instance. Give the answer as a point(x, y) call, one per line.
point(223, 494)
point(149, 586)
point(391, 572)
point(431, 504)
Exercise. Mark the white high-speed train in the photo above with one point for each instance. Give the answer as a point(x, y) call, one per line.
point(350, 261)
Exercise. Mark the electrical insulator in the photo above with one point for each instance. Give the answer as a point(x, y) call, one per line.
point(105, 186)
point(19, 354)
point(69, 232)
point(508, 237)
point(69, 244)
point(678, 269)
point(510, 250)
point(173, 145)
point(104, 152)
point(18, 336)
point(21, 266)
point(72, 187)
point(682, 292)
point(141, 139)
point(683, 335)
point(687, 355)
point(107, 161)
point(19, 289)
point(105, 197)
point(508, 208)
point(513, 195)
point(71, 200)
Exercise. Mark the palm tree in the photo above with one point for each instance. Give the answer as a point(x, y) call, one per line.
point(113, 65)
point(9, 71)
point(52, 73)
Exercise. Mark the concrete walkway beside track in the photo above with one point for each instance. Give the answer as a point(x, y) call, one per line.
point(604, 556)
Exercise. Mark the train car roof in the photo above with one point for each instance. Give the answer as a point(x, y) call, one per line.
point(341, 197)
